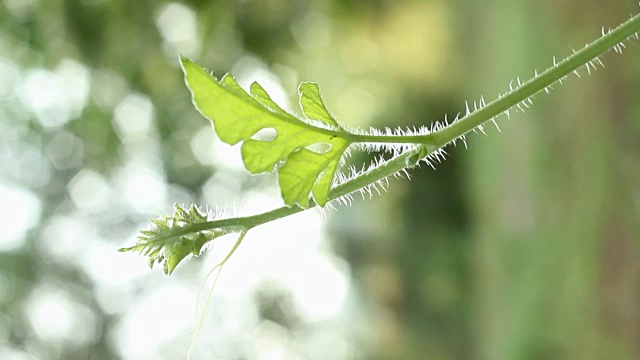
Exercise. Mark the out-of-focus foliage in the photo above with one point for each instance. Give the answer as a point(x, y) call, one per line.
point(525, 246)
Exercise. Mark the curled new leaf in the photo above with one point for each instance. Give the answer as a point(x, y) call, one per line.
point(170, 238)
point(303, 170)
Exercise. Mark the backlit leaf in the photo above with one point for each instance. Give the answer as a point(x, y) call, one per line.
point(237, 116)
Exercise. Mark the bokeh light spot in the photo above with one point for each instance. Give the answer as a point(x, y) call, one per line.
point(65, 150)
point(43, 92)
point(55, 316)
point(65, 237)
point(89, 191)
point(76, 83)
point(145, 190)
point(177, 25)
point(159, 317)
point(133, 117)
point(20, 212)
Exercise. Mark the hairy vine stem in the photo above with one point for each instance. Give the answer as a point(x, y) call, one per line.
point(518, 97)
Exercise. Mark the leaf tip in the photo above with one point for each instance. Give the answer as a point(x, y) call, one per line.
point(191, 68)
point(183, 59)
point(307, 84)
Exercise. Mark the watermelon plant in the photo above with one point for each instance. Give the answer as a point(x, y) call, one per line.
point(308, 152)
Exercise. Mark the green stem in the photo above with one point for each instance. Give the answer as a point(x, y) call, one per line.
point(518, 95)
point(245, 223)
point(538, 83)
point(395, 139)
point(440, 138)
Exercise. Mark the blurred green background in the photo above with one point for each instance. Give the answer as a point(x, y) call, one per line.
point(524, 246)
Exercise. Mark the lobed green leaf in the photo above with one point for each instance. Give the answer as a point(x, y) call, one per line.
point(303, 171)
